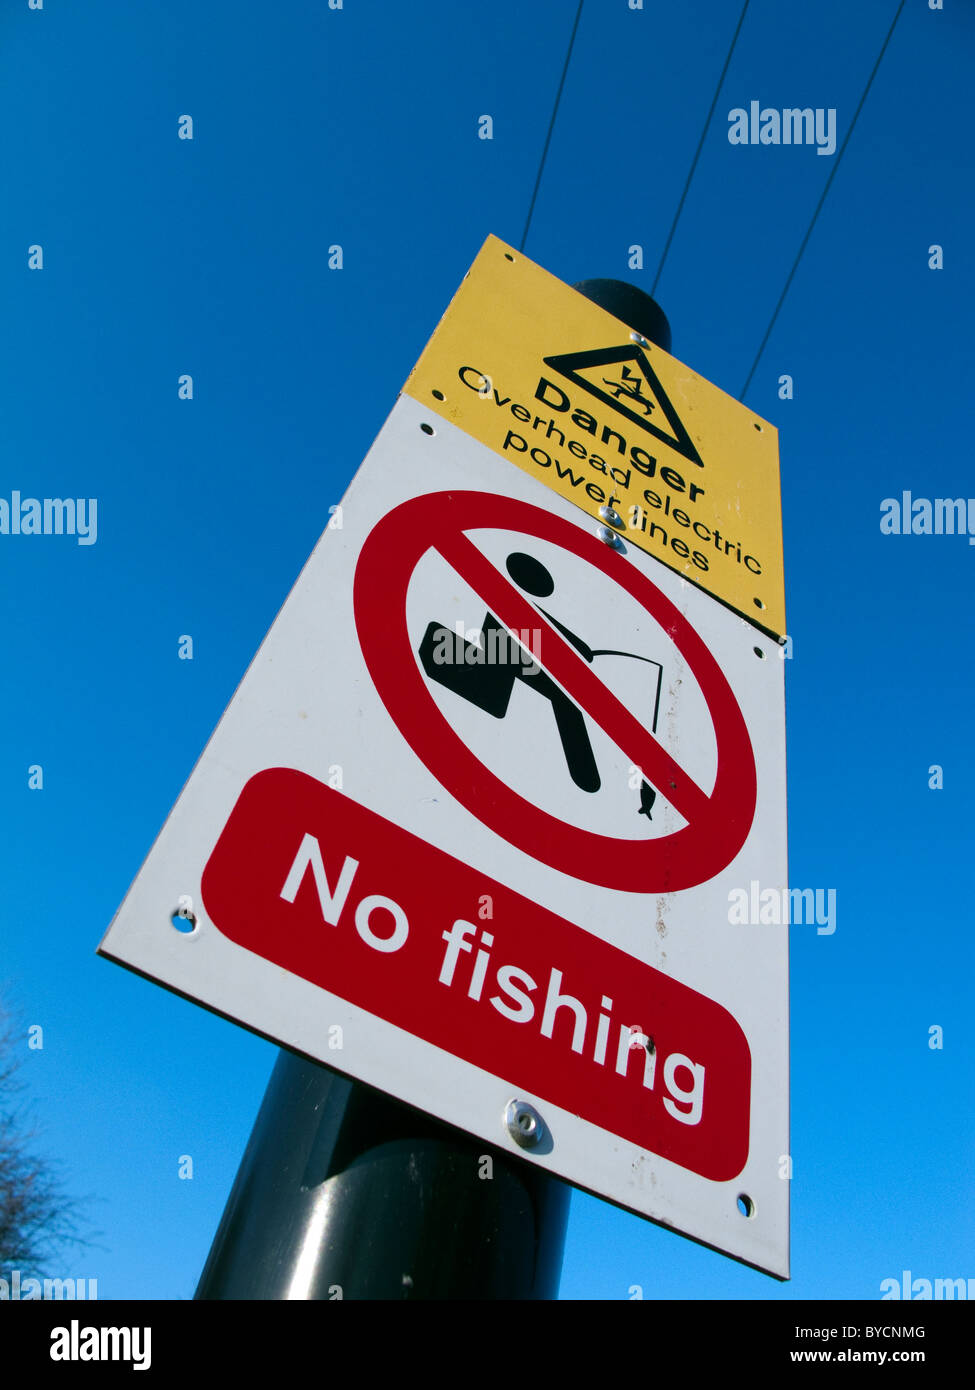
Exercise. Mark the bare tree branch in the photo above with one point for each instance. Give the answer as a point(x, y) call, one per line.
point(38, 1217)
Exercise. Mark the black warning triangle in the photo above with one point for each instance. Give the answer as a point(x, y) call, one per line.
point(627, 395)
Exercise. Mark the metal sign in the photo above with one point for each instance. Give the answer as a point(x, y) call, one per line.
point(469, 829)
point(567, 392)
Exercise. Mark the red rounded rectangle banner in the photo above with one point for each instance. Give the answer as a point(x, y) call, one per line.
point(308, 879)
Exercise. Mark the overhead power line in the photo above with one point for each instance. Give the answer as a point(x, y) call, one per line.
point(700, 146)
point(551, 127)
point(819, 205)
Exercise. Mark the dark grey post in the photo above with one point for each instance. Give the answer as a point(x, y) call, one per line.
point(345, 1193)
point(634, 306)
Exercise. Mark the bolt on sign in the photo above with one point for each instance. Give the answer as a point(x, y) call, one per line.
point(572, 395)
point(469, 832)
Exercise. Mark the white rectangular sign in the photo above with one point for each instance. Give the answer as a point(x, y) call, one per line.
point(472, 830)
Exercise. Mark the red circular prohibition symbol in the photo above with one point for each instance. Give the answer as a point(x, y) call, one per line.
point(717, 824)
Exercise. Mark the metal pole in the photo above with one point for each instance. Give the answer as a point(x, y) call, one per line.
point(345, 1193)
point(634, 306)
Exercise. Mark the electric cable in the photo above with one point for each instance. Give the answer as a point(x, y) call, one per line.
point(819, 205)
point(551, 127)
point(700, 146)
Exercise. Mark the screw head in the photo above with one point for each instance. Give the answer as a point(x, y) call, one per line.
point(524, 1124)
point(610, 538)
point(639, 339)
point(611, 515)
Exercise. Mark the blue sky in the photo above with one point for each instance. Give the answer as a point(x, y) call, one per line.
point(358, 126)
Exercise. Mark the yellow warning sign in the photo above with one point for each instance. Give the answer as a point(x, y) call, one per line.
point(573, 396)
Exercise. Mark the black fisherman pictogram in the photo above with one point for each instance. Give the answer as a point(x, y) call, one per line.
point(485, 672)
